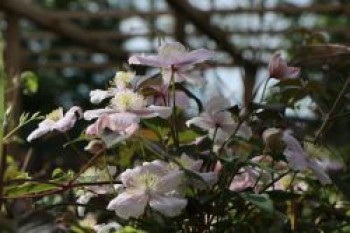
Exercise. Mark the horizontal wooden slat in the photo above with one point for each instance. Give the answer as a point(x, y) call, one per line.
point(282, 9)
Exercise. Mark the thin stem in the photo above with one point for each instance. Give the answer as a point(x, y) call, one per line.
point(264, 90)
point(2, 119)
point(332, 111)
point(85, 167)
point(174, 132)
point(12, 132)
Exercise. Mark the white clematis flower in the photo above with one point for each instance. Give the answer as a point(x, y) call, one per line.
point(216, 118)
point(151, 185)
point(56, 120)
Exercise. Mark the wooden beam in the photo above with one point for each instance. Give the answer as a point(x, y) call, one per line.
point(201, 20)
point(110, 35)
point(280, 9)
point(60, 26)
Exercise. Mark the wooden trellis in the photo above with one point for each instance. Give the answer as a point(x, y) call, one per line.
point(62, 24)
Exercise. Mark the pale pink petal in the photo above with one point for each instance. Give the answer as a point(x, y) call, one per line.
point(241, 182)
point(294, 153)
point(91, 114)
point(43, 128)
point(216, 104)
point(153, 111)
point(83, 200)
point(204, 121)
point(292, 72)
point(278, 68)
point(210, 179)
point(152, 60)
point(169, 206)
point(170, 181)
point(96, 96)
point(195, 56)
point(181, 100)
point(69, 119)
point(190, 163)
point(129, 204)
point(321, 175)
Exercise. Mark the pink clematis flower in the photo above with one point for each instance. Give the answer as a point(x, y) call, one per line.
point(57, 121)
point(150, 185)
point(124, 113)
point(173, 57)
point(297, 157)
point(215, 117)
point(279, 70)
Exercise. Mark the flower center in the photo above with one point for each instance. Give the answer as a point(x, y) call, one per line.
point(122, 79)
point(55, 115)
point(147, 181)
point(127, 100)
point(171, 50)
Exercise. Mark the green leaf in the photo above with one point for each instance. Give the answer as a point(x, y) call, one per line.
point(30, 82)
point(262, 201)
point(28, 188)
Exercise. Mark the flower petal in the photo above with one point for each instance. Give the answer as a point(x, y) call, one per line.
point(129, 204)
point(84, 199)
point(195, 56)
point(152, 60)
point(69, 119)
point(294, 153)
point(153, 111)
point(319, 172)
point(171, 181)
point(92, 114)
point(169, 206)
point(96, 96)
point(44, 127)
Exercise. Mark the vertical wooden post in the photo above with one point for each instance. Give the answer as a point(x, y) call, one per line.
point(179, 32)
point(13, 66)
point(11, 93)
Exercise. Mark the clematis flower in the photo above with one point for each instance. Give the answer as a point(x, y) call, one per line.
point(216, 118)
point(120, 82)
point(297, 157)
point(210, 178)
point(279, 70)
point(123, 115)
point(149, 185)
point(173, 57)
point(254, 176)
point(57, 121)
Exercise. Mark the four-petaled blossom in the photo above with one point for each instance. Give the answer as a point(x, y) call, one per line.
point(173, 58)
point(278, 68)
point(124, 113)
point(218, 121)
point(297, 157)
point(56, 120)
point(149, 185)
